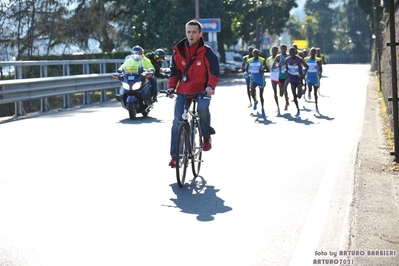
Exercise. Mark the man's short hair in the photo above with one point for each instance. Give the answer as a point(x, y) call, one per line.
point(194, 22)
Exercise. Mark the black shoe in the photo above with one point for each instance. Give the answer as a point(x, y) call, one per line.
point(118, 98)
point(154, 99)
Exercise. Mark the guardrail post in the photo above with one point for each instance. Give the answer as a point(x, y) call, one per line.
point(86, 95)
point(44, 104)
point(116, 69)
point(19, 107)
point(67, 98)
point(103, 70)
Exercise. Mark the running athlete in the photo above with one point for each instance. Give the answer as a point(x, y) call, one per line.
point(279, 62)
point(323, 61)
point(246, 76)
point(273, 74)
point(296, 69)
point(256, 68)
point(312, 77)
point(319, 55)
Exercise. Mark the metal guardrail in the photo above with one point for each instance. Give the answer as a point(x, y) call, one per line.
point(27, 89)
point(41, 88)
point(20, 90)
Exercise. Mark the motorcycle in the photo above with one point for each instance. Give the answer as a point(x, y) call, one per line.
point(134, 93)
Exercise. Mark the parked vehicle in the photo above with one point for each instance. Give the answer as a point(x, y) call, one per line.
point(224, 68)
point(234, 60)
point(134, 93)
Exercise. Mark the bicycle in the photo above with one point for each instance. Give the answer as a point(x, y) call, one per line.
point(189, 138)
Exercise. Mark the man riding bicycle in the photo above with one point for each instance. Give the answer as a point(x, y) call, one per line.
point(194, 68)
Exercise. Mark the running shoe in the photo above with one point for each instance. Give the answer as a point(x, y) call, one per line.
point(263, 113)
point(172, 162)
point(297, 114)
point(250, 105)
point(286, 107)
point(206, 146)
point(255, 104)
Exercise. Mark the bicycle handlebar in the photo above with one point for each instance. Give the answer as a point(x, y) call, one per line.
point(201, 93)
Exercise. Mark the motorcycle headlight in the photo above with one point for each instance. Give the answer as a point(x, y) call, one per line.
point(125, 86)
point(136, 86)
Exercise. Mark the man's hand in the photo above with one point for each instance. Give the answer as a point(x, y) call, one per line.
point(170, 93)
point(209, 91)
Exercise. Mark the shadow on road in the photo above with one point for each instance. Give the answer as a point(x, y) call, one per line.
point(199, 198)
point(299, 120)
point(140, 120)
point(320, 116)
point(262, 119)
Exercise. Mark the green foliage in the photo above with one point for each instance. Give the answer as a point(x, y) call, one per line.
point(334, 25)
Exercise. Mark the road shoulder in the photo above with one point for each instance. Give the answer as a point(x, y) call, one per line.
point(375, 207)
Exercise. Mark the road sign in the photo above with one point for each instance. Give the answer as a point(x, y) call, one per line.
point(302, 44)
point(210, 24)
point(265, 40)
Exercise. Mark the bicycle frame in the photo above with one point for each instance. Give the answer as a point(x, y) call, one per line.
point(189, 139)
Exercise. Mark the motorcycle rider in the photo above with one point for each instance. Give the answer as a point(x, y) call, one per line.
point(156, 58)
point(135, 63)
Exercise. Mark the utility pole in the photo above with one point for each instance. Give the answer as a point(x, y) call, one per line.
point(377, 36)
point(392, 45)
point(197, 16)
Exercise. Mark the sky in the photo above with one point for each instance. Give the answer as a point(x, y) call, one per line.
point(299, 10)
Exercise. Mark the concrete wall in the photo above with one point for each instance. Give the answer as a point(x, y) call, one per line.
point(386, 70)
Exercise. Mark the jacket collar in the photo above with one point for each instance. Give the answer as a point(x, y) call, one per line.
point(184, 42)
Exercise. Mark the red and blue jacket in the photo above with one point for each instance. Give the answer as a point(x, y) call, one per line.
point(203, 72)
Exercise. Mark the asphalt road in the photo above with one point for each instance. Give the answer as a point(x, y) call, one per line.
point(91, 187)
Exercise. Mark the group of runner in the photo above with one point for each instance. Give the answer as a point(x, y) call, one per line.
point(297, 68)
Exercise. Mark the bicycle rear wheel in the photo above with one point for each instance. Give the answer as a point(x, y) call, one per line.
point(196, 145)
point(182, 152)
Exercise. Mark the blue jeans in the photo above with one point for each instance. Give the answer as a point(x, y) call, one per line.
point(204, 118)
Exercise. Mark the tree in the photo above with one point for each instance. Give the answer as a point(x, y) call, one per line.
point(28, 26)
point(268, 16)
point(310, 27)
point(51, 25)
point(118, 25)
point(323, 12)
point(294, 28)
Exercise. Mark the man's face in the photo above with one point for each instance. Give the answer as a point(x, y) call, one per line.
point(193, 34)
point(250, 50)
point(312, 52)
point(292, 52)
point(283, 49)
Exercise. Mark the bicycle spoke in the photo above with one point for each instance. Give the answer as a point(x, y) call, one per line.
point(182, 156)
point(196, 145)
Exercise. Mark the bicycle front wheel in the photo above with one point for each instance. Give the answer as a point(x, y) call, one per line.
point(196, 146)
point(182, 153)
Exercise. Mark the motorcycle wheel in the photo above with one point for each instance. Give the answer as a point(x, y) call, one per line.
point(131, 107)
